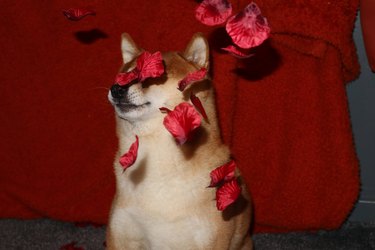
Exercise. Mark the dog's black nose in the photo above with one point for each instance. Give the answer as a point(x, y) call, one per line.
point(117, 91)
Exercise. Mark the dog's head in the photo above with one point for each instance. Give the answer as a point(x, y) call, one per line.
point(140, 102)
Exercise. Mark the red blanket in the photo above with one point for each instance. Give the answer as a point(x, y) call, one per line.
point(284, 111)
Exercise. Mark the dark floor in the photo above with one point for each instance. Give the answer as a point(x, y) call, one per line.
point(49, 234)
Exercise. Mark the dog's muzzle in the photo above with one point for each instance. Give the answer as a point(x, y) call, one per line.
point(118, 92)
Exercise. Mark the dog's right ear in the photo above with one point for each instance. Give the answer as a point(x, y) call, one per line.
point(128, 47)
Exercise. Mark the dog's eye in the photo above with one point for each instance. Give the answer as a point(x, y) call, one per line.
point(154, 81)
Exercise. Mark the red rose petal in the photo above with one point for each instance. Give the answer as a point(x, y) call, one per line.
point(182, 121)
point(76, 14)
point(227, 194)
point(130, 157)
point(192, 77)
point(150, 65)
point(125, 78)
point(223, 173)
point(248, 28)
point(237, 52)
point(198, 105)
point(213, 12)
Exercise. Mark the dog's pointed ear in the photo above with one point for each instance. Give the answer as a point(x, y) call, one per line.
point(128, 47)
point(197, 51)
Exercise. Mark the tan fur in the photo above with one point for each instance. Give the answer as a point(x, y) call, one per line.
point(162, 201)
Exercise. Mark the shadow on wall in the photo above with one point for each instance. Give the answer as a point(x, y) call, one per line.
point(264, 62)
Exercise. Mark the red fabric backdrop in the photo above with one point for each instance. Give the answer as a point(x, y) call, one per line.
point(283, 112)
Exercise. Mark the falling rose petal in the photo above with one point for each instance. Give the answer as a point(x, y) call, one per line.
point(192, 77)
point(227, 194)
point(237, 52)
point(76, 14)
point(130, 157)
point(223, 173)
point(213, 12)
point(150, 65)
point(198, 105)
point(248, 28)
point(125, 78)
point(182, 121)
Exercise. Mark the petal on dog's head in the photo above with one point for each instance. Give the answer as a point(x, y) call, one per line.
point(76, 14)
point(128, 159)
point(150, 65)
point(182, 121)
point(237, 52)
point(198, 105)
point(227, 194)
point(223, 173)
point(213, 12)
point(123, 79)
point(248, 28)
point(192, 77)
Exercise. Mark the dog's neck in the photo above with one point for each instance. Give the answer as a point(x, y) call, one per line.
point(153, 135)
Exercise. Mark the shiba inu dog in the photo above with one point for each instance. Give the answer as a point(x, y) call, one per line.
point(162, 201)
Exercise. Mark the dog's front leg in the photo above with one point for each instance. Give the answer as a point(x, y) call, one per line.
point(124, 233)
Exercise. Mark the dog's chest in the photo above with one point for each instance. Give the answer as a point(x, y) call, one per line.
point(189, 232)
point(155, 188)
point(162, 177)
point(171, 205)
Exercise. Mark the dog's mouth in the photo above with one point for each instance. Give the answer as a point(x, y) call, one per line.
point(126, 106)
point(125, 100)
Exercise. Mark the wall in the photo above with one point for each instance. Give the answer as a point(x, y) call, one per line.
point(361, 94)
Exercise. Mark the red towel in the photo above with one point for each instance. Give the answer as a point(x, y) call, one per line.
point(284, 111)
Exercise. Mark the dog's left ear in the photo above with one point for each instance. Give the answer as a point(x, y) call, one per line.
point(197, 51)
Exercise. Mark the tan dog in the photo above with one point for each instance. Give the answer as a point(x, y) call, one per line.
point(162, 201)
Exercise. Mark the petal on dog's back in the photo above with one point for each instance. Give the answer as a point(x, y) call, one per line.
point(227, 194)
point(223, 173)
point(213, 12)
point(128, 159)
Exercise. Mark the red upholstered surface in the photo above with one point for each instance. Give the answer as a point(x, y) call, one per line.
point(284, 111)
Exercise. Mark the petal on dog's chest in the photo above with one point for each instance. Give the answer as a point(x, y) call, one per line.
point(128, 159)
point(182, 121)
